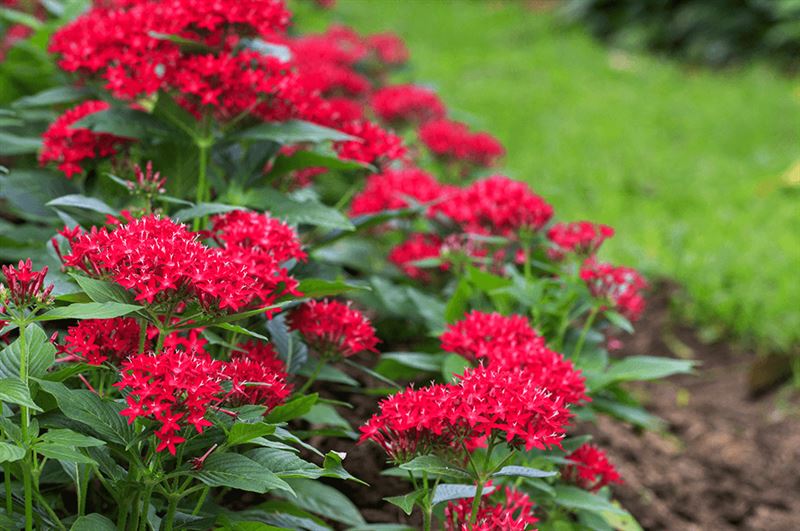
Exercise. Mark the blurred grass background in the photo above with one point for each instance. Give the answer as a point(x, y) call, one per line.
point(688, 165)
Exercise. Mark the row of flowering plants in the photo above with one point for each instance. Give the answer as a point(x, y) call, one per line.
point(223, 233)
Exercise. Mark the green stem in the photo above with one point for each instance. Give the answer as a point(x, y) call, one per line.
point(203, 146)
point(25, 422)
point(200, 501)
point(312, 378)
point(173, 505)
point(586, 327)
point(9, 500)
point(142, 335)
point(476, 501)
point(148, 493)
point(427, 510)
point(83, 483)
point(50, 511)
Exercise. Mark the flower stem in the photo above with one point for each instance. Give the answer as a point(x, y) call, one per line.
point(173, 505)
point(148, 493)
point(312, 378)
point(203, 146)
point(586, 327)
point(24, 424)
point(200, 501)
point(9, 500)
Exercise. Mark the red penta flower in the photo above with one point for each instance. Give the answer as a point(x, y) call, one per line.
point(333, 328)
point(479, 333)
point(257, 376)
point(591, 469)
point(67, 146)
point(417, 247)
point(498, 205)
point(407, 104)
point(173, 388)
point(581, 237)
point(388, 49)
point(453, 143)
point(392, 189)
point(619, 287)
point(373, 145)
point(95, 341)
point(514, 513)
point(24, 286)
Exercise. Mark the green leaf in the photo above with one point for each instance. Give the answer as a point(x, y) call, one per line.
point(14, 391)
point(523, 471)
point(644, 368)
point(285, 464)
point(41, 354)
point(334, 468)
point(292, 132)
point(100, 416)
point(315, 288)
point(20, 17)
point(324, 414)
point(311, 159)
point(102, 290)
point(83, 202)
point(448, 492)
point(619, 321)
point(575, 498)
point(406, 502)
point(633, 414)
point(457, 305)
point(434, 465)
point(293, 409)
point(168, 109)
point(323, 500)
point(10, 452)
point(61, 452)
point(298, 212)
point(93, 522)
point(454, 365)
point(53, 96)
point(241, 330)
point(238, 472)
point(203, 209)
point(70, 438)
point(89, 310)
point(241, 432)
point(11, 144)
point(417, 360)
point(27, 191)
point(125, 122)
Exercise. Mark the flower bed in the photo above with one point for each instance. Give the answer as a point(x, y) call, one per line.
point(250, 231)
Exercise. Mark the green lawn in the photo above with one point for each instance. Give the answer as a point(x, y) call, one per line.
point(686, 164)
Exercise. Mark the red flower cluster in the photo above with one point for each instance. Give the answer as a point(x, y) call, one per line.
point(620, 287)
point(95, 341)
point(387, 49)
point(499, 206)
point(257, 375)
point(417, 247)
point(581, 237)
point(390, 191)
point(24, 286)
point(407, 104)
point(592, 469)
point(453, 142)
point(510, 343)
point(373, 145)
point(333, 328)
point(483, 403)
point(67, 145)
point(128, 44)
point(174, 388)
point(515, 513)
point(164, 263)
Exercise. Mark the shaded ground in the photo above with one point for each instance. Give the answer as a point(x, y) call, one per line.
point(727, 461)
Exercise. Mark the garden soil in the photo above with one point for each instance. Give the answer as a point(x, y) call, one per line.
point(724, 461)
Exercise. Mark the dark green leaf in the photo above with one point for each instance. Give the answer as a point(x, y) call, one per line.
point(238, 472)
point(14, 391)
point(292, 132)
point(285, 464)
point(241, 432)
point(315, 288)
point(434, 465)
point(41, 354)
point(454, 365)
point(203, 209)
point(124, 122)
point(241, 330)
point(417, 360)
point(100, 416)
point(103, 291)
point(53, 96)
point(61, 452)
point(93, 522)
point(310, 159)
point(458, 303)
point(294, 211)
point(70, 438)
point(11, 144)
point(10, 452)
point(81, 201)
point(448, 492)
point(89, 310)
point(575, 498)
point(406, 502)
point(324, 414)
point(28, 191)
point(645, 368)
point(323, 500)
point(293, 409)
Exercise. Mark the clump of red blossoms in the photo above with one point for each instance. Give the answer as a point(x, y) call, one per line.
point(24, 287)
point(417, 247)
point(164, 263)
point(454, 143)
point(407, 104)
point(392, 189)
point(255, 383)
point(499, 206)
point(387, 49)
point(581, 237)
point(484, 403)
point(373, 144)
point(95, 341)
point(510, 343)
point(172, 387)
point(333, 328)
point(514, 513)
point(67, 146)
point(620, 287)
point(592, 469)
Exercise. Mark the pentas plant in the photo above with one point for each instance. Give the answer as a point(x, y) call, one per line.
point(238, 231)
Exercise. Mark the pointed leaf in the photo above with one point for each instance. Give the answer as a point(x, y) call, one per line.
point(575, 498)
point(103, 290)
point(93, 522)
point(81, 201)
point(14, 391)
point(293, 132)
point(242, 432)
point(41, 354)
point(238, 472)
point(323, 500)
point(10, 452)
point(406, 502)
point(435, 465)
point(293, 409)
point(89, 310)
point(285, 464)
point(63, 453)
point(523, 471)
point(70, 438)
point(448, 492)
